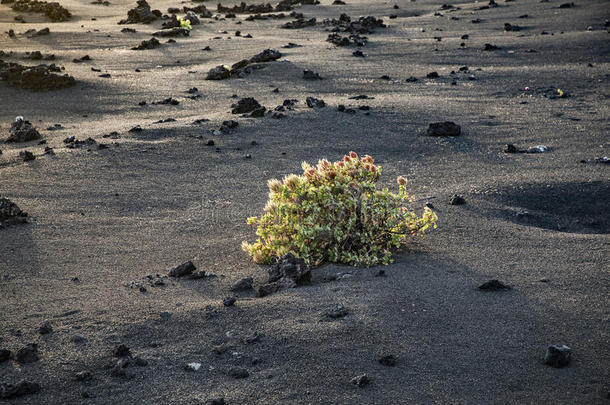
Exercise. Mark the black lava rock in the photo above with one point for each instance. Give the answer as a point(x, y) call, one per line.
point(558, 356)
point(182, 270)
point(493, 285)
point(446, 128)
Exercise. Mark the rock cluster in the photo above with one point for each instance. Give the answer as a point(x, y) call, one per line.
point(41, 77)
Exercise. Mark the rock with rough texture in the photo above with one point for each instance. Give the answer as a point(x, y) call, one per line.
point(313, 102)
point(141, 14)
point(147, 44)
point(360, 380)
point(268, 55)
point(270, 288)
point(10, 213)
point(311, 75)
point(338, 311)
point(558, 356)
point(22, 131)
point(238, 372)
point(292, 267)
point(5, 355)
point(245, 105)
point(243, 284)
point(446, 128)
point(457, 200)
point(218, 73)
point(53, 10)
point(45, 328)
point(388, 360)
point(41, 77)
point(8, 390)
point(27, 354)
point(182, 270)
point(172, 32)
point(121, 351)
point(493, 285)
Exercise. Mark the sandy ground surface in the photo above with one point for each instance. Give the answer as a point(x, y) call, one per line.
point(160, 197)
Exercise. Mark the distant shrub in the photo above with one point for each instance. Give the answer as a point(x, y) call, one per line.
point(334, 213)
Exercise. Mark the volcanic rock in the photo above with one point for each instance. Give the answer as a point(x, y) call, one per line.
point(27, 354)
point(150, 44)
point(243, 284)
point(41, 77)
point(493, 285)
point(8, 390)
point(446, 128)
point(141, 14)
point(182, 270)
point(558, 356)
point(245, 105)
point(22, 131)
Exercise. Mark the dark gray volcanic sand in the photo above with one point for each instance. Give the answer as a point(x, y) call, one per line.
point(157, 198)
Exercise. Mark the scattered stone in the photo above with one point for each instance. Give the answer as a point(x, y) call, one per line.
point(243, 284)
point(299, 23)
point(337, 312)
point(45, 328)
point(53, 10)
point(289, 266)
point(432, 75)
point(446, 128)
point(490, 47)
point(172, 32)
point(27, 354)
point(360, 380)
point(165, 315)
point(388, 360)
point(411, 79)
point(5, 355)
point(238, 372)
point(141, 14)
point(558, 356)
point(216, 401)
point(243, 67)
point(83, 376)
point(192, 367)
point(229, 301)
point(22, 131)
point(79, 339)
point(457, 200)
point(10, 214)
point(271, 288)
point(511, 27)
point(245, 105)
point(510, 148)
point(228, 125)
point(310, 75)
point(493, 285)
point(147, 44)
point(182, 270)
point(41, 77)
point(121, 351)
point(9, 391)
point(27, 156)
point(315, 102)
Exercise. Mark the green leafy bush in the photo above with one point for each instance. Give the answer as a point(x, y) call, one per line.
point(333, 212)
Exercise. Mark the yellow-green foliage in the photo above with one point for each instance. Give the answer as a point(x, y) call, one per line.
point(184, 23)
point(333, 212)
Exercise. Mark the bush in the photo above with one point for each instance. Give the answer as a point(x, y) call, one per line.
point(334, 213)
